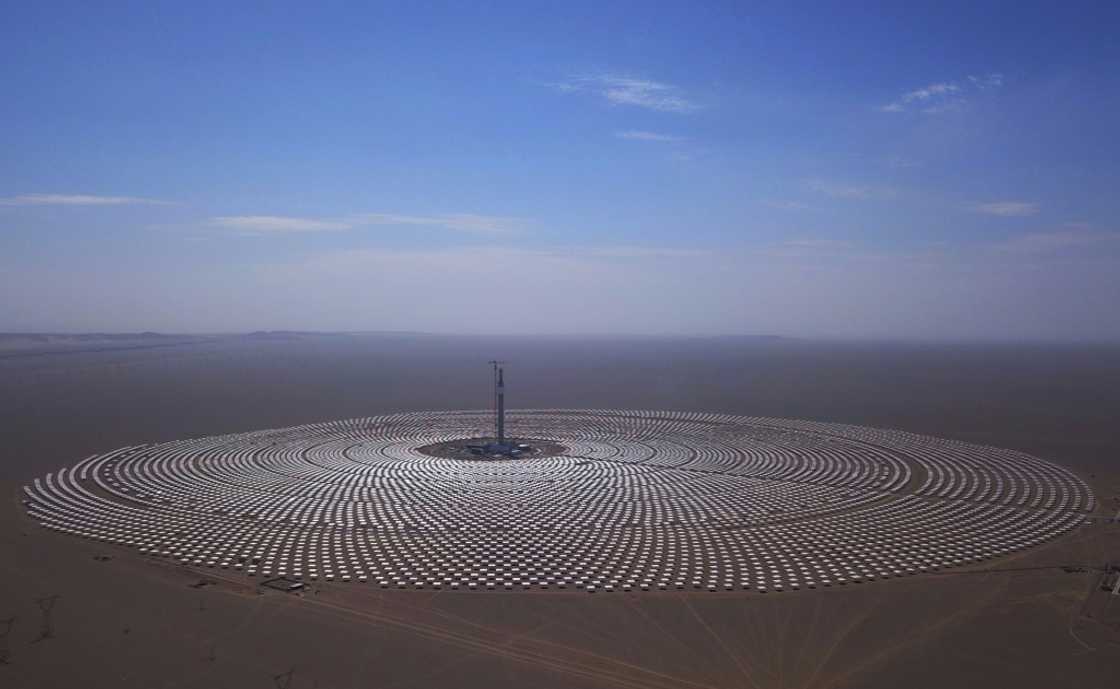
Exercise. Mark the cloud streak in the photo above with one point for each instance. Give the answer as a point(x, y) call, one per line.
point(270, 224)
point(78, 200)
point(1007, 209)
point(460, 222)
point(631, 91)
point(644, 252)
point(787, 205)
point(852, 192)
point(260, 225)
point(1060, 241)
point(638, 135)
point(943, 96)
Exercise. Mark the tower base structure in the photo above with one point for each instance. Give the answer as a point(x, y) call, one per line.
point(489, 449)
point(502, 448)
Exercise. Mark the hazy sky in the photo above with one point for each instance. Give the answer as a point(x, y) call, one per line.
point(948, 172)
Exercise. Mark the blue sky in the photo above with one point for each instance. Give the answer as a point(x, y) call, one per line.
point(947, 171)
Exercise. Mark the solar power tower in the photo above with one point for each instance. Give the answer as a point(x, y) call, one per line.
point(499, 401)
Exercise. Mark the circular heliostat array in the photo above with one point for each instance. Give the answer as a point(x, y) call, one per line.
point(636, 501)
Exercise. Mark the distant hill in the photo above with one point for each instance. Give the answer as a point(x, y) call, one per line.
point(21, 344)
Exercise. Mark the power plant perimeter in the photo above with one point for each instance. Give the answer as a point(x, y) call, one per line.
point(566, 499)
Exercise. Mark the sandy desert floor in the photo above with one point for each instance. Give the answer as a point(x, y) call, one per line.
point(88, 615)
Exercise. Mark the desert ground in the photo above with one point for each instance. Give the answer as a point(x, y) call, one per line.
point(81, 614)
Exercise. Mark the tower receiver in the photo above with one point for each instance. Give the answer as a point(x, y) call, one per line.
point(501, 446)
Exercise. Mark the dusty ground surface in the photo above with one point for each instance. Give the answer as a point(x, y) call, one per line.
point(128, 622)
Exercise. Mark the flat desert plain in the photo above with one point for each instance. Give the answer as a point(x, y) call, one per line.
point(83, 614)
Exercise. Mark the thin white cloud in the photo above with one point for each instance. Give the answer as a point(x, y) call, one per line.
point(810, 243)
point(932, 98)
point(986, 81)
point(954, 105)
point(1007, 209)
point(787, 205)
point(269, 224)
point(625, 90)
point(643, 252)
point(943, 96)
point(902, 162)
point(930, 92)
point(278, 224)
point(812, 248)
point(462, 222)
point(76, 200)
point(1070, 239)
point(638, 135)
point(854, 192)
